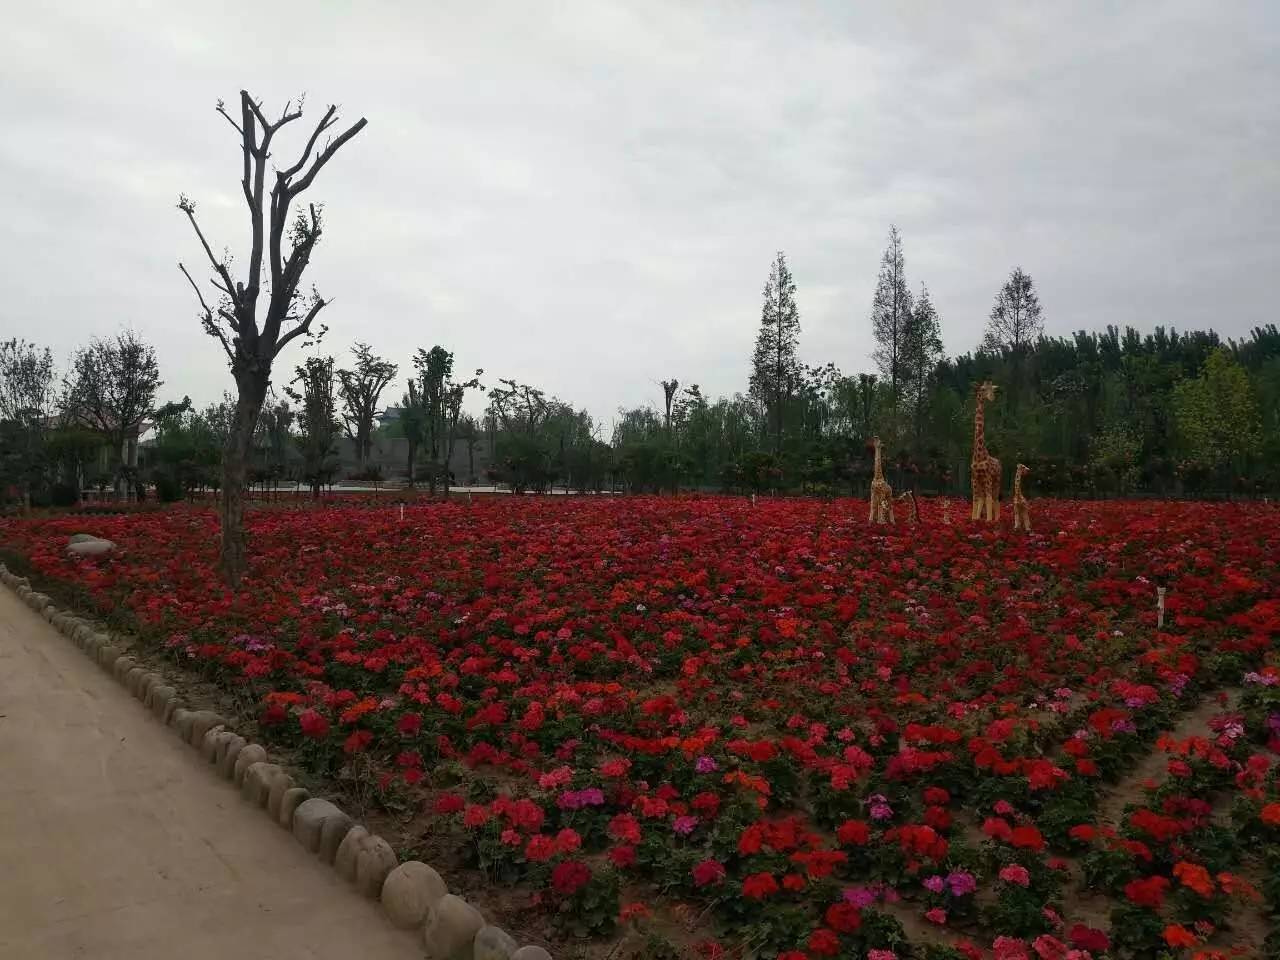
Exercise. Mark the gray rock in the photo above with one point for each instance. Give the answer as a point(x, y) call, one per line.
point(310, 817)
point(209, 745)
point(345, 859)
point(203, 721)
point(92, 548)
point(280, 784)
point(292, 798)
point(82, 538)
point(451, 928)
point(227, 759)
point(122, 667)
point(107, 654)
point(375, 860)
point(409, 891)
point(493, 943)
point(133, 679)
point(332, 832)
point(159, 695)
point(531, 953)
point(257, 782)
point(249, 755)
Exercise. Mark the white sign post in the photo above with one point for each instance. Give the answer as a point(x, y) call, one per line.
point(1160, 608)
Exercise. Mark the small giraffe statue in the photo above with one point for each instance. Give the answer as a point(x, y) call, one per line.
point(913, 514)
point(1021, 512)
point(984, 468)
point(946, 511)
point(881, 492)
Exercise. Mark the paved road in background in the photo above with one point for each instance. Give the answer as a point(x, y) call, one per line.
point(117, 842)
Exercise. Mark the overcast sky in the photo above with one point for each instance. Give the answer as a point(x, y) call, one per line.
point(586, 196)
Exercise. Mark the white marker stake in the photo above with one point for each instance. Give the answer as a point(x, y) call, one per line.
point(468, 498)
point(1159, 608)
point(753, 499)
point(402, 513)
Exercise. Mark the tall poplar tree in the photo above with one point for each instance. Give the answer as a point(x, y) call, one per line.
point(1015, 320)
point(891, 311)
point(775, 370)
point(922, 352)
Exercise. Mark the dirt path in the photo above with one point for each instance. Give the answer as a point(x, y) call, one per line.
point(1154, 766)
point(118, 842)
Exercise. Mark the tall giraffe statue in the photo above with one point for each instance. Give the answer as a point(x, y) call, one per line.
point(984, 468)
point(881, 492)
point(913, 512)
point(1021, 512)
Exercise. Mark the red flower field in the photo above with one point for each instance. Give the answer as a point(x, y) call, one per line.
point(804, 735)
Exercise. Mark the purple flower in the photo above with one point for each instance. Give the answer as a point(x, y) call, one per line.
point(706, 764)
point(934, 883)
point(961, 883)
point(1273, 723)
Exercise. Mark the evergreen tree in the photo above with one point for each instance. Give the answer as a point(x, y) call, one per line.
point(775, 371)
point(1015, 321)
point(891, 311)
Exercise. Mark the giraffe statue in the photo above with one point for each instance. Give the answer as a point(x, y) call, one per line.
point(984, 468)
point(913, 514)
point(946, 510)
point(1021, 512)
point(881, 492)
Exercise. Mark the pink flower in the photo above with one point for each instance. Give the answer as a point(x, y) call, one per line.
point(1015, 873)
point(936, 915)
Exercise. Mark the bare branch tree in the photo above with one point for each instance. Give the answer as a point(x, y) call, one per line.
point(252, 339)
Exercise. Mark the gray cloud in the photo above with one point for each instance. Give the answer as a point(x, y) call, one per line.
point(587, 195)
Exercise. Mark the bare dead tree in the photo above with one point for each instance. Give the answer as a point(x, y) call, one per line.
point(250, 342)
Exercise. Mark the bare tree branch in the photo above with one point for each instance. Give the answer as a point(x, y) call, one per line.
point(222, 109)
point(189, 208)
point(325, 156)
point(199, 296)
point(325, 123)
point(305, 326)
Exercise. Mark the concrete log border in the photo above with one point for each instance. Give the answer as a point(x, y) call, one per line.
point(413, 895)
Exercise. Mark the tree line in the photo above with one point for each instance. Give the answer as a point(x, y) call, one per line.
point(1111, 412)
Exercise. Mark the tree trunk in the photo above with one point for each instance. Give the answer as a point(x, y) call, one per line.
point(235, 465)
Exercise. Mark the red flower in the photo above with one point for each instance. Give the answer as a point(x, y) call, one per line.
point(854, 833)
point(357, 741)
point(569, 877)
point(844, 917)
point(409, 724)
point(708, 872)
point(568, 840)
point(448, 803)
point(1027, 838)
point(540, 848)
point(1147, 893)
point(475, 816)
point(622, 856)
point(1088, 938)
point(313, 725)
point(824, 942)
point(759, 885)
point(1176, 935)
point(625, 827)
point(1271, 814)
